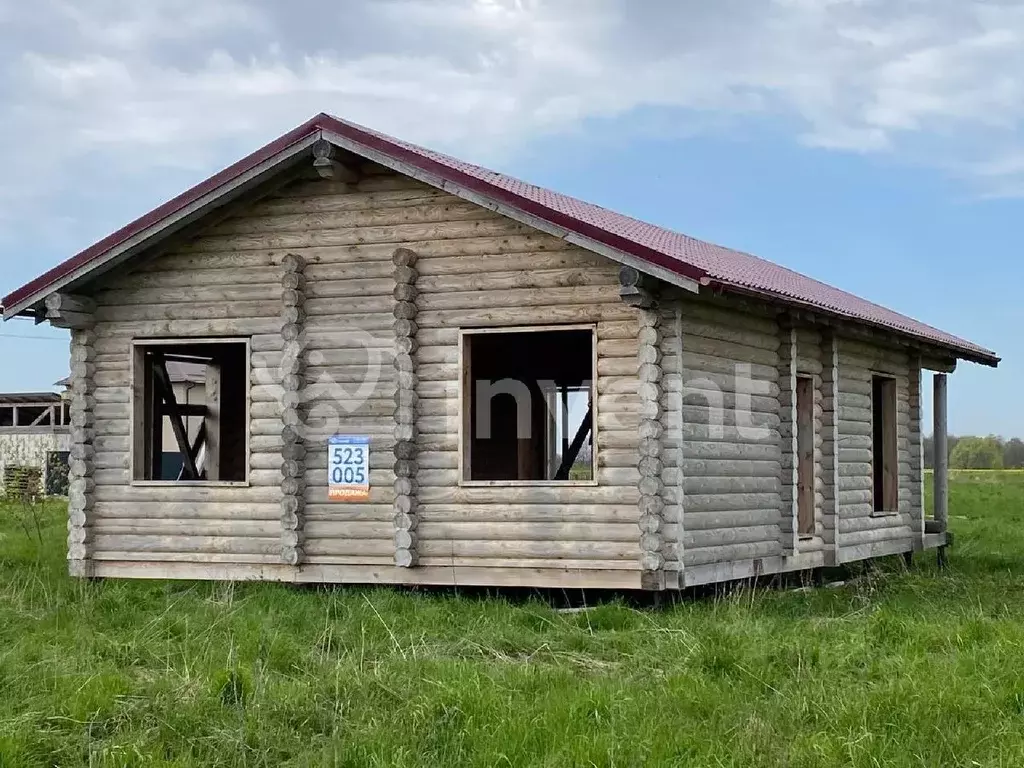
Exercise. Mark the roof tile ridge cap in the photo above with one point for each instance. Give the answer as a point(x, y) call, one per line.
point(168, 208)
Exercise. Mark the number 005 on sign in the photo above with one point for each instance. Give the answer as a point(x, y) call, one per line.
point(348, 468)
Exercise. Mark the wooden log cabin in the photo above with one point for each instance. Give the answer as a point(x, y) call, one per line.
point(419, 371)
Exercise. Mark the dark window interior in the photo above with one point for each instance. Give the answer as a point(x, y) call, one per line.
point(30, 416)
point(33, 415)
point(884, 465)
point(207, 428)
point(529, 409)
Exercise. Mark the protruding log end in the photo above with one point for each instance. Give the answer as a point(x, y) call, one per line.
point(293, 263)
point(405, 558)
point(405, 310)
point(651, 561)
point(328, 166)
point(404, 257)
point(291, 555)
point(403, 520)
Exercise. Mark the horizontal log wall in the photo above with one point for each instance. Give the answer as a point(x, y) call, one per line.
point(349, 343)
point(862, 532)
point(474, 269)
point(721, 401)
point(789, 512)
point(229, 282)
point(230, 293)
point(722, 463)
point(521, 279)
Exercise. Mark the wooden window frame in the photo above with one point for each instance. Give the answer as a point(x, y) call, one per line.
point(138, 412)
point(465, 412)
point(890, 447)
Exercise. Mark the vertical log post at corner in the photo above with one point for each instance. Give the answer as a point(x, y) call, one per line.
point(81, 485)
point(293, 450)
point(941, 478)
point(405, 504)
point(636, 291)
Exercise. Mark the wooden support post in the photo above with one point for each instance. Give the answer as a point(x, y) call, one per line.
point(941, 453)
point(565, 422)
point(406, 504)
point(212, 423)
point(170, 408)
point(572, 452)
point(81, 485)
point(293, 450)
point(142, 416)
point(149, 420)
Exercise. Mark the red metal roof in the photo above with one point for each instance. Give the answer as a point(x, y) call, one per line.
point(711, 264)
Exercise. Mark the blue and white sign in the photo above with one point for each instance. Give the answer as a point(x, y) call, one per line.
point(348, 468)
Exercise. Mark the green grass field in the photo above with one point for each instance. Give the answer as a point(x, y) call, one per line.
point(894, 668)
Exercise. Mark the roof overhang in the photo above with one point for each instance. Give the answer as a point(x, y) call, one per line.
point(163, 222)
point(144, 234)
point(234, 181)
point(935, 354)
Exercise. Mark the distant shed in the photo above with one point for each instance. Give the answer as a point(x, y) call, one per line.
point(33, 427)
point(418, 371)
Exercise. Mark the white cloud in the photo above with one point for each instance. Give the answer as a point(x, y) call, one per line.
point(939, 82)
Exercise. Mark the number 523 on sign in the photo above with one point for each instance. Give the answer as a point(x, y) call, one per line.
point(348, 468)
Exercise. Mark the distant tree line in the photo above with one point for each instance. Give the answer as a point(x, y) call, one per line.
point(992, 452)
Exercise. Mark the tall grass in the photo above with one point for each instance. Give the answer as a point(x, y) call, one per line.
point(893, 668)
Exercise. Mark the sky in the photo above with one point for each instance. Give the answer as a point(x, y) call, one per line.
point(877, 145)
